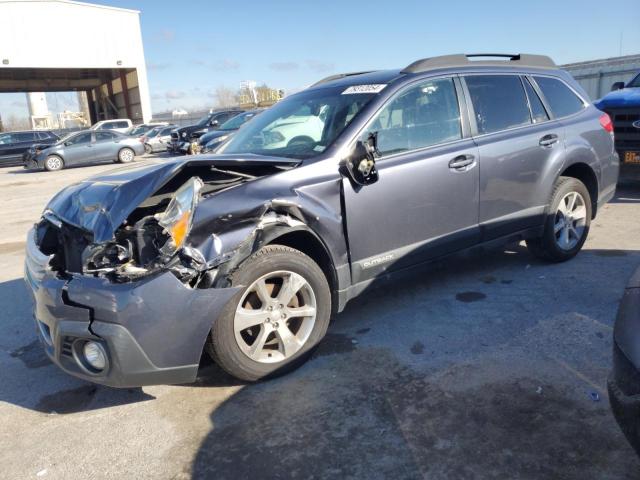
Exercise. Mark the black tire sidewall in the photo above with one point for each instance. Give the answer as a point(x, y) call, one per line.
point(553, 251)
point(226, 351)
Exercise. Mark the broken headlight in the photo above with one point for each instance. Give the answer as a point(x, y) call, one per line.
point(177, 218)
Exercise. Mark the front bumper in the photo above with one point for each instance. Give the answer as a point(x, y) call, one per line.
point(30, 160)
point(624, 380)
point(153, 330)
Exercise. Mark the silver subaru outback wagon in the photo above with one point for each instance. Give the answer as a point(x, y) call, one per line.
point(248, 253)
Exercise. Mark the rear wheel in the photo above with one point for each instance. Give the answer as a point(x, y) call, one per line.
point(275, 321)
point(567, 223)
point(147, 149)
point(126, 155)
point(53, 163)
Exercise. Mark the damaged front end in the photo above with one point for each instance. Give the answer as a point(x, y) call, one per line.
point(152, 236)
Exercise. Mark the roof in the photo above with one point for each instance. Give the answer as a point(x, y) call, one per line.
point(367, 78)
point(458, 61)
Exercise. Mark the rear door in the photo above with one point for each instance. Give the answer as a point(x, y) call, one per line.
point(22, 141)
point(425, 202)
point(105, 146)
point(520, 152)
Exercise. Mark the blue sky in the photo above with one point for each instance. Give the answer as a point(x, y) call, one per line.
point(192, 47)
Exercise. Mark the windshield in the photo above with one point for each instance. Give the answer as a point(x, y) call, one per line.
point(300, 126)
point(635, 83)
point(66, 137)
point(237, 121)
point(154, 132)
point(139, 130)
point(203, 121)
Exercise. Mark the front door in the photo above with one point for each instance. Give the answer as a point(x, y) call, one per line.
point(520, 151)
point(78, 149)
point(425, 203)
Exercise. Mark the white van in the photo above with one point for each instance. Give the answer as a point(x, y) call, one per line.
point(118, 124)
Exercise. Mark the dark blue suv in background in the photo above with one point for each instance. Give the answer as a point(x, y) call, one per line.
point(623, 106)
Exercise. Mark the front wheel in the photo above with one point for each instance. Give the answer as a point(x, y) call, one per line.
point(126, 155)
point(275, 321)
point(147, 149)
point(567, 222)
point(53, 163)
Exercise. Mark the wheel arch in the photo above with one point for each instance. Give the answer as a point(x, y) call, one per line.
point(583, 172)
point(306, 241)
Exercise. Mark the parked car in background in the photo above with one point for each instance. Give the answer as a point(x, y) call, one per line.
point(143, 128)
point(118, 125)
point(212, 140)
point(624, 380)
point(157, 139)
point(84, 147)
point(14, 144)
point(247, 253)
point(185, 139)
point(623, 106)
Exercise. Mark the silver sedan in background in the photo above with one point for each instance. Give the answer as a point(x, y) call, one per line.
point(82, 148)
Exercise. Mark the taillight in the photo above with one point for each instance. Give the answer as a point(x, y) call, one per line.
point(605, 121)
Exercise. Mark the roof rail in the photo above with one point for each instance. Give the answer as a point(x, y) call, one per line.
point(338, 76)
point(463, 60)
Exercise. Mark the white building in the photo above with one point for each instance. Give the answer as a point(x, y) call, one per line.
point(62, 45)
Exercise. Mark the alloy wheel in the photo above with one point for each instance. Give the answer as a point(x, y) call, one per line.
point(275, 317)
point(54, 163)
point(126, 155)
point(570, 221)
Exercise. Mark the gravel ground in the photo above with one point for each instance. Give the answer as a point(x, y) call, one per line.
point(488, 365)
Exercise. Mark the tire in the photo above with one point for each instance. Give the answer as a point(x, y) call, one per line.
point(147, 149)
point(53, 163)
point(564, 235)
point(126, 155)
point(231, 349)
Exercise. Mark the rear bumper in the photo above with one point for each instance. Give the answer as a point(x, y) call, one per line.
point(153, 330)
point(624, 380)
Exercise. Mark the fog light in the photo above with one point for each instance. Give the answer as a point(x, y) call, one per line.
point(95, 355)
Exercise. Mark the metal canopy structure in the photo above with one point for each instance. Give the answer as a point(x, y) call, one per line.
point(62, 45)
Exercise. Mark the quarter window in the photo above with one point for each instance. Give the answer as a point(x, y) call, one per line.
point(538, 112)
point(499, 102)
point(423, 115)
point(561, 99)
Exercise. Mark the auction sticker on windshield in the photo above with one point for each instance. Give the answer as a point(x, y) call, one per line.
point(373, 88)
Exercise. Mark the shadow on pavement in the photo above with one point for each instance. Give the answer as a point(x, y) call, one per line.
point(484, 399)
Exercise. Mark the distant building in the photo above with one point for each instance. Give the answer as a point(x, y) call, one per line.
point(64, 45)
point(597, 76)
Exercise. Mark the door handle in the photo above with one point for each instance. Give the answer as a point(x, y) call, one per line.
point(548, 140)
point(462, 163)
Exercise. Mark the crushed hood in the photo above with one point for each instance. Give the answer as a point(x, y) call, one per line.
point(100, 204)
point(627, 97)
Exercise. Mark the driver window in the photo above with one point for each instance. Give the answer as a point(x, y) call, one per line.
point(424, 115)
point(80, 139)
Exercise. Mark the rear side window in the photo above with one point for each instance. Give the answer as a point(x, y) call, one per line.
point(424, 115)
point(538, 112)
point(120, 125)
point(561, 99)
point(499, 102)
point(24, 137)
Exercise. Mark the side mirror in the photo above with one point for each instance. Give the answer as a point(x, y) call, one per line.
point(214, 123)
point(361, 163)
point(66, 144)
point(617, 86)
